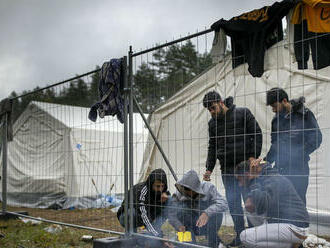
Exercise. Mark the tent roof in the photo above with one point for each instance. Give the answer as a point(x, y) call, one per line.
point(77, 117)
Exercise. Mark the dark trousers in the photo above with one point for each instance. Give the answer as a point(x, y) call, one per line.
point(318, 42)
point(156, 223)
point(234, 195)
point(188, 217)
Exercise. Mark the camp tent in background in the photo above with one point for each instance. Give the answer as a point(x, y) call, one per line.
point(181, 123)
point(57, 153)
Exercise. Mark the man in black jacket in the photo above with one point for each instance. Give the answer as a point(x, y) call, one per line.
point(234, 136)
point(149, 200)
point(295, 135)
point(273, 196)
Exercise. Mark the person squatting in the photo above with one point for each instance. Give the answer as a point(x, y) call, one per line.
point(272, 188)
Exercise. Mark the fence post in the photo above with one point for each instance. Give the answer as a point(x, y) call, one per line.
point(131, 171)
point(4, 162)
point(126, 98)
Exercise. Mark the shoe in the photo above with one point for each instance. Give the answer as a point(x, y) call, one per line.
point(236, 242)
point(222, 245)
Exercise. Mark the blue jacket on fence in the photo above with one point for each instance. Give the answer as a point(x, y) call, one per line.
point(294, 137)
point(111, 101)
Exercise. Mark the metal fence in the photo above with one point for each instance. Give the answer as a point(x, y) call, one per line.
point(64, 160)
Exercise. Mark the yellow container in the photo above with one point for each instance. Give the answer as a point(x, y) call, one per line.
point(184, 236)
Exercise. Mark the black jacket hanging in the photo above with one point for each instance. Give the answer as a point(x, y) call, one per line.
point(253, 32)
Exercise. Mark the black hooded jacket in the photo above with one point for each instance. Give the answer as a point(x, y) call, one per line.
point(233, 138)
point(146, 202)
point(294, 137)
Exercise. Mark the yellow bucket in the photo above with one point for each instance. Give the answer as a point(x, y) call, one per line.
point(184, 236)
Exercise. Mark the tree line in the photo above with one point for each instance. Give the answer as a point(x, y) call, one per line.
point(154, 81)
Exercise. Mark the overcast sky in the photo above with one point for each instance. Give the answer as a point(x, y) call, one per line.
point(46, 41)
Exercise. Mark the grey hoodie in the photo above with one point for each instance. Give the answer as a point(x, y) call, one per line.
point(208, 200)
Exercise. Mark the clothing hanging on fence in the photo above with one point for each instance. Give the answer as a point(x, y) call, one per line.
point(218, 46)
point(318, 18)
point(6, 108)
point(253, 32)
point(110, 88)
point(312, 29)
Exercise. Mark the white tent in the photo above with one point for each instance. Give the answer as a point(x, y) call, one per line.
point(181, 123)
point(57, 155)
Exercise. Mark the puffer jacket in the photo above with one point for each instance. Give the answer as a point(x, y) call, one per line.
point(233, 138)
point(275, 197)
point(146, 203)
point(208, 200)
point(294, 137)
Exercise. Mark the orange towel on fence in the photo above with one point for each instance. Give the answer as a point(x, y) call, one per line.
point(317, 14)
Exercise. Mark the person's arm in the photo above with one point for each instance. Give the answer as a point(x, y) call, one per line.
point(218, 203)
point(313, 135)
point(259, 198)
point(143, 212)
point(211, 152)
point(173, 213)
point(254, 134)
point(271, 155)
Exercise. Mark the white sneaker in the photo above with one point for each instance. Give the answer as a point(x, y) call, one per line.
point(221, 245)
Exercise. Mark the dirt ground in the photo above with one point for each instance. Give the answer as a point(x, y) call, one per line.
point(101, 218)
point(97, 218)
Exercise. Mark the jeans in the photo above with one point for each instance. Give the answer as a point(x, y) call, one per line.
point(234, 195)
point(188, 217)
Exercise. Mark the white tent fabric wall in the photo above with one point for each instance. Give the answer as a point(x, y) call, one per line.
point(57, 153)
point(181, 123)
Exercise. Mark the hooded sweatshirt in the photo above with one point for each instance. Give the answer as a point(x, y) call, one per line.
point(275, 196)
point(146, 202)
point(208, 199)
point(233, 138)
point(294, 137)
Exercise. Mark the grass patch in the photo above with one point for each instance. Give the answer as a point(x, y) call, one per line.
point(25, 235)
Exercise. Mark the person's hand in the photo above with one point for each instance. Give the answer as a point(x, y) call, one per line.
point(249, 206)
point(254, 163)
point(168, 245)
point(207, 175)
point(202, 220)
point(182, 229)
point(163, 198)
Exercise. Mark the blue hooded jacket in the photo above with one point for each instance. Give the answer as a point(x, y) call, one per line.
point(294, 137)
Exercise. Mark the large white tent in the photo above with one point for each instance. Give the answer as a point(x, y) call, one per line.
point(59, 158)
point(180, 124)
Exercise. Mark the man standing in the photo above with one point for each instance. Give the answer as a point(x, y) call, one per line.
point(274, 197)
point(234, 136)
point(197, 207)
point(295, 135)
point(149, 204)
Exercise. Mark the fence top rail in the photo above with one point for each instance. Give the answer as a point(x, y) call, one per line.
point(132, 55)
point(56, 84)
point(172, 42)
